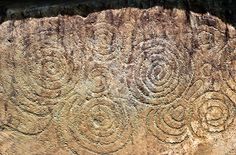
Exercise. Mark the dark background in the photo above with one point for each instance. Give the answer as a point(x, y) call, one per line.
point(224, 9)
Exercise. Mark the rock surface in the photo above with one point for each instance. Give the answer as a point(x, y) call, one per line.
point(126, 81)
point(22, 9)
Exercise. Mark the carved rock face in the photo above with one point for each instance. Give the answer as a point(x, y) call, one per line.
point(124, 81)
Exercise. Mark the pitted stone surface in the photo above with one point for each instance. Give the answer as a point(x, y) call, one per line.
point(126, 81)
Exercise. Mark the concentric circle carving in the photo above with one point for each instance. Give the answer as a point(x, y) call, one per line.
point(169, 124)
point(99, 80)
point(214, 112)
point(161, 72)
point(99, 125)
point(206, 39)
point(104, 42)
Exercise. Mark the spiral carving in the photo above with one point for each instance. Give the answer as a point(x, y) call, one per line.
point(214, 112)
point(169, 124)
point(42, 76)
point(161, 72)
point(100, 125)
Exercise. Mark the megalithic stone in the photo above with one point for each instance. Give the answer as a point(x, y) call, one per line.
point(126, 81)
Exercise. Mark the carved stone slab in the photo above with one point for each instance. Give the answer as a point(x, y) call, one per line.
point(126, 81)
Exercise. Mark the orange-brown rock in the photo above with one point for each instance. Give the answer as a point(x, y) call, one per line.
point(126, 81)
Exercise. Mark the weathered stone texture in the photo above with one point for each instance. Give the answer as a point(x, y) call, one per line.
point(126, 81)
